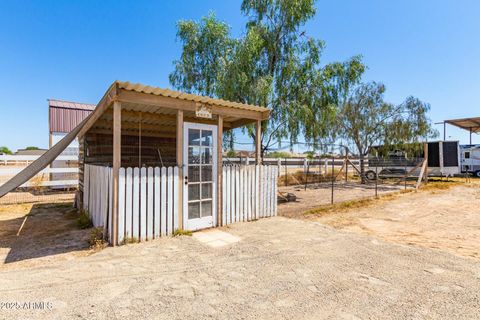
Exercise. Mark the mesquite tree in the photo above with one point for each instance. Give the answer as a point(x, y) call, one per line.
point(365, 119)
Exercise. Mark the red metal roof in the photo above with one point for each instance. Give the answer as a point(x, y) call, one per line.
point(66, 115)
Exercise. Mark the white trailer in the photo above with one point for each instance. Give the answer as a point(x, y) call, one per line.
point(470, 159)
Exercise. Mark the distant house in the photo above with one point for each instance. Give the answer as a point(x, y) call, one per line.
point(30, 152)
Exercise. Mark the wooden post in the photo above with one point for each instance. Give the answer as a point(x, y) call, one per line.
point(180, 167)
point(117, 154)
point(220, 168)
point(258, 142)
point(425, 156)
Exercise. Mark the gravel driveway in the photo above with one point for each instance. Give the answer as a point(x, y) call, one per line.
point(281, 269)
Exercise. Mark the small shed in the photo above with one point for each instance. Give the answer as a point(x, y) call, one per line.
point(150, 163)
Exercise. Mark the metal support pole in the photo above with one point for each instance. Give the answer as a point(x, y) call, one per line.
point(306, 175)
point(333, 175)
point(346, 164)
point(376, 178)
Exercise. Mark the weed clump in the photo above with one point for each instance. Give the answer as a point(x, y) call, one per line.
point(83, 220)
point(97, 238)
point(179, 232)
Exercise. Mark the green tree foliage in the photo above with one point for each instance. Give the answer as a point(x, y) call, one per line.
point(5, 150)
point(32, 148)
point(279, 154)
point(365, 119)
point(274, 64)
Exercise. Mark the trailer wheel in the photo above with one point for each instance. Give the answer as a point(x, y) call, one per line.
point(477, 173)
point(371, 175)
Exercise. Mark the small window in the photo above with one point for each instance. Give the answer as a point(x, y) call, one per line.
point(467, 154)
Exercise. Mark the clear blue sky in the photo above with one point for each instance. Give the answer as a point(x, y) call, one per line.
point(73, 50)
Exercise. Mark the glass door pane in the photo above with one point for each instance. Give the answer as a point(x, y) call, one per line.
point(199, 163)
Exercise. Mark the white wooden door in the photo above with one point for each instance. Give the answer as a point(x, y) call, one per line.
point(200, 176)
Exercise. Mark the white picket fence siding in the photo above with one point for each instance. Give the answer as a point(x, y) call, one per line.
point(148, 198)
point(97, 194)
point(148, 203)
point(249, 192)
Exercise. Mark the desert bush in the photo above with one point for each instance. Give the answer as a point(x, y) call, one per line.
point(97, 238)
point(83, 220)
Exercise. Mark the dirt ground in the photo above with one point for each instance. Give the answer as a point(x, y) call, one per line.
point(441, 219)
point(321, 194)
point(34, 234)
point(280, 269)
point(376, 263)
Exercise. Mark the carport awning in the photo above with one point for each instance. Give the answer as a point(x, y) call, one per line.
point(469, 124)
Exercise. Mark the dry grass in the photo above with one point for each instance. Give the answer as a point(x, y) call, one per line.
point(179, 232)
point(433, 186)
point(299, 177)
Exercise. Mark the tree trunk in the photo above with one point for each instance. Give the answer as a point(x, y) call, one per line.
point(362, 168)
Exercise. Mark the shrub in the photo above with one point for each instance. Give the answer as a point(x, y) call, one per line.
point(97, 238)
point(179, 232)
point(83, 220)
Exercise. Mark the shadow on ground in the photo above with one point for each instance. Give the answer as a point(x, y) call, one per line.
point(39, 230)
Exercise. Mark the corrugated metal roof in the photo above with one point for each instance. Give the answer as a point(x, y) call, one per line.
point(64, 116)
point(137, 87)
point(70, 105)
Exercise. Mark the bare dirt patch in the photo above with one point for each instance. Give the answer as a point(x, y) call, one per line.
point(42, 231)
point(442, 219)
point(280, 269)
point(321, 194)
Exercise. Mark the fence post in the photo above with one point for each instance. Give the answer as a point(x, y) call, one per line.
point(286, 172)
point(279, 166)
point(306, 176)
point(333, 174)
point(376, 178)
point(405, 179)
point(346, 164)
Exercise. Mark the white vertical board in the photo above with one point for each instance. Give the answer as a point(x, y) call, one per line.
point(237, 194)
point(175, 198)
point(149, 203)
point(224, 196)
point(169, 200)
point(249, 193)
point(143, 204)
point(157, 194)
point(110, 207)
point(121, 205)
point(267, 191)
point(136, 204)
point(227, 193)
point(128, 202)
point(86, 182)
point(163, 219)
point(275, 191)
point(241, 193)
point(109, 202)
point(257, 191)
point(91, 190)
point(104, 196)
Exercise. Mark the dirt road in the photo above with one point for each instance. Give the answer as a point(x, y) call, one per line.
point(281, 269)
